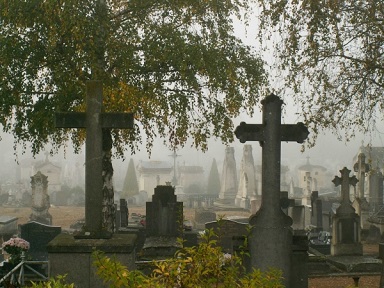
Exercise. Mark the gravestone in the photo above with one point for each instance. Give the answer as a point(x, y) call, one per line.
point(40, 199)
point(228, 232)
point(8, 227)
point(99, 196)
point(246, 191)
point(203, 216)
point(164, 224)
point(271, 237)
point(99, 202)
point(345, 223)
point(228, 188)
point(376, 189)
point(316, 211)
point(38, 235)
point(360, 203)
point(124, 213)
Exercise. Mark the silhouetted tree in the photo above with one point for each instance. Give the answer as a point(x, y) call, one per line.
point(213, 186)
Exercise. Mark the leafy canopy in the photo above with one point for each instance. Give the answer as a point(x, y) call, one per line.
point(331, 56)
point(175, 64)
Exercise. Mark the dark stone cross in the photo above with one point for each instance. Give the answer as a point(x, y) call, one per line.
point(345, 181)
point(271, 236)
point(96, 122)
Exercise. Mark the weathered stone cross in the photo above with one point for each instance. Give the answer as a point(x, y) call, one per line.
point(345, 181)
point(94, 120)
point(271, 236)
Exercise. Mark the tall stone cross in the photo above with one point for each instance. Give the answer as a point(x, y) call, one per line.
point(361, 168)
point(94, 120)
point(345, 181)
point(271, 235)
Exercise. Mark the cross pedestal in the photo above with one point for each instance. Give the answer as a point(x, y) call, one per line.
point(96, 123)
point(271, 235)
point(345, 223)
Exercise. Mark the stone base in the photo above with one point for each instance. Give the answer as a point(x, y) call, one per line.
point(159, 248)
point(350, 249)
point(73, 257)
point(242, 203)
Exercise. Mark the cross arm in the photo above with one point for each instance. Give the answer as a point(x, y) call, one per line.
point(255, 132)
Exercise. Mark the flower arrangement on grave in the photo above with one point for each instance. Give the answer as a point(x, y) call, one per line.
point(15, 247)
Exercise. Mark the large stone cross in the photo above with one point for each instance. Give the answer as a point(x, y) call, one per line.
point(271, 237)
point(94, 120)
point(361, 168)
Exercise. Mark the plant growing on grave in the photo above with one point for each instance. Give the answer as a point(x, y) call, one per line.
point(54, 282)
point(204, 265)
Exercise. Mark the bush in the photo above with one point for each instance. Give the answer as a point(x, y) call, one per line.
point(204, 265)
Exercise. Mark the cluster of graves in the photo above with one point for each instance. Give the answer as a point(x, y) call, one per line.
point(277, 235)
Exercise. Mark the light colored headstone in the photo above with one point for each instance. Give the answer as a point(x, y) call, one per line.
point(247, 181)
point(229, 177)
point(40, 199)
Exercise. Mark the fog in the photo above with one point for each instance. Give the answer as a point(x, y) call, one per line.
point(328, 152)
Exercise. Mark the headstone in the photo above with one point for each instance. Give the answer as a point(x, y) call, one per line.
point(246, 191)
point(360, 203)
point(124, 213)
point(228, 231)
point(345, 223)
point(298, 215)
point(203, 216)
point(271, 235)
point(164, 224)
point(38, 235)
point(40, 199)
point(228, 178)
point(376, 190)
point(8, 226)
point(316, 211)
point(99, 204)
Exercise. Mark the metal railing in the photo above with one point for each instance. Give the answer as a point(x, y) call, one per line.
point(17, 274)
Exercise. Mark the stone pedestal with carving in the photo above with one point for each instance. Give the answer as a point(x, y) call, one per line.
point(40, 199)
point(346, 223)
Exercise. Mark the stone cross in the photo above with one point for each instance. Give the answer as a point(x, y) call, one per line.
point(345, 181)
point(271, 236)
point(361, 168)
point(95, 120)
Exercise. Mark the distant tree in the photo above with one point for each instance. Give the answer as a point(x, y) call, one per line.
point(131, 186)
point(330, 55)
point(213, 185)
point(177, 65)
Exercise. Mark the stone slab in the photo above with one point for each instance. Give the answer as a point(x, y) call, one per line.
point(71, 256)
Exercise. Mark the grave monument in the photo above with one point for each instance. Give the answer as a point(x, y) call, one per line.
point(228, 178)
point(99, 207)
point(270, 243)
point(247, 180)
point(345, 223)
point(40, 199)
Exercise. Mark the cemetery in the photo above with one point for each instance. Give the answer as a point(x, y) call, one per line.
point(307, 232)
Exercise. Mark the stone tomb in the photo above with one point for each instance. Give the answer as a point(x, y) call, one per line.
point(346, 223)
point(164, 217)
point(38, 235)
point(8, 227)
point(229, 233)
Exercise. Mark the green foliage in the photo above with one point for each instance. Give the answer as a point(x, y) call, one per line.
point(204, 265)
point(330, 56)
point(175, 64)
point(131, 186)
point(58, 282)
point(213, 186)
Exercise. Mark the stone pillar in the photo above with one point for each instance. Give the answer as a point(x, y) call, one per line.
point(228, 178)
